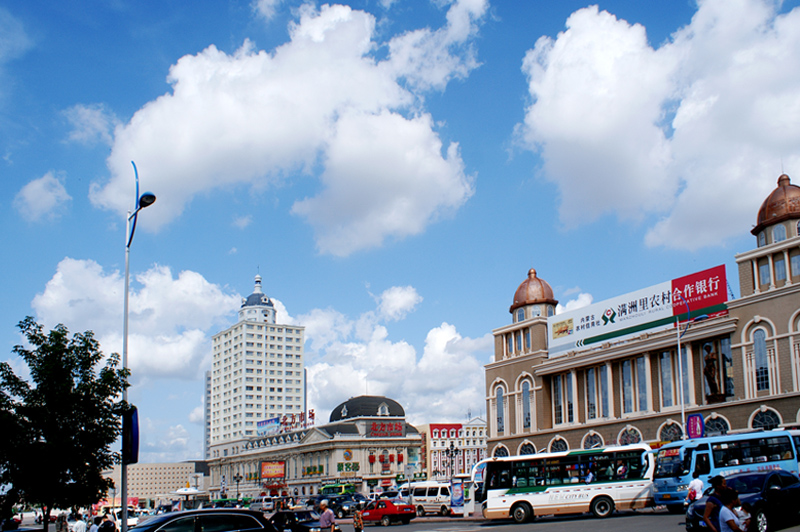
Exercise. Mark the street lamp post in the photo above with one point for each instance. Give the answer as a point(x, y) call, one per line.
point(145, 200)
point(689, 322)
point(237, 478)
point(451, 453)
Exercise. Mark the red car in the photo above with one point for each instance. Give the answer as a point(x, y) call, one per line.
point(388, 511)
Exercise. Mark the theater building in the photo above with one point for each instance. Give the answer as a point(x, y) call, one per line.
point(366, 442)
point(610, 373)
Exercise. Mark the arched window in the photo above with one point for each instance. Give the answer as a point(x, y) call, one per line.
point(520, 315)
point(629, 435)
point(670, 432)
point(717, 426)
point(592, 441)
point(501, 417)
point(762, 239)
point(766, 419)
point(526, 405)
point(559, 445)
point(760, 355)
point(779, 233)
point(500, 452)
point(527, 448)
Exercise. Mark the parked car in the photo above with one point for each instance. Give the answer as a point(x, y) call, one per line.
point(388, 511)
point(772, 494)
point(297, 521)
point(217, 519)
point(343, 505)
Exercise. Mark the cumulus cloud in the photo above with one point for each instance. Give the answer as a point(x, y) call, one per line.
point(266, 8)
point(354, 356)
point(320, 101)
point(197, 414)
point(91, 124)
point(170, 318)
point(42, 198)
point(675, 135)
point(583, 300)
point(242, 221)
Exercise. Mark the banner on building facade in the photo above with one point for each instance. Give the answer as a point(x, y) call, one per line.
point(391, 429)
point(272, 470)
point(655, 307)
point(268, 427)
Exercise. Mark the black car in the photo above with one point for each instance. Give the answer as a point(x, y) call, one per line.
point(207, 520)
point(344, 505)
point(774, 496)
point(297, 521)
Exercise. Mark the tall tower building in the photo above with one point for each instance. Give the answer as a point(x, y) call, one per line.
point(256, 371)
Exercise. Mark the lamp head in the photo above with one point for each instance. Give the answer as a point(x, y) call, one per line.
point(146, 199)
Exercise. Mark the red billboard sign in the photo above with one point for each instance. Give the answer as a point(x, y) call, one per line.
point(272, 470)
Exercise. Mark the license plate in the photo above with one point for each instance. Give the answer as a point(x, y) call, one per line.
point(667, 496)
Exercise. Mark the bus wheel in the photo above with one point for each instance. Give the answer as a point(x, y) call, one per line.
point(602, 507)
point(443, 511)
point(521, 513)
point(420, 510)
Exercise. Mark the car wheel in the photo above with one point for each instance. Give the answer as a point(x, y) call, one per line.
point(385, 521)
point(760, 520)
point(420, 511)
point(602, 507)
point(444, 511)
point(340, 514)
point(521, 513)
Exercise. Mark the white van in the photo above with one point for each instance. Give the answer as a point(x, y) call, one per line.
point(265, 503)
point(431, 497)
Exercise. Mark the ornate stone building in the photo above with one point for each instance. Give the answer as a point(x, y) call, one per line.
point(366, 442)
point(739, 368)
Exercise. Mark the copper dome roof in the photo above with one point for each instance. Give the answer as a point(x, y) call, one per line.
point(532, 290)
point(782, 204)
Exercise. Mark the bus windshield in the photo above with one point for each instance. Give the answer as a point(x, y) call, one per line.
point(670, 464)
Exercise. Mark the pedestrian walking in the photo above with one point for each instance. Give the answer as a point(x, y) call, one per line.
point(358, 522)
point(327, 519)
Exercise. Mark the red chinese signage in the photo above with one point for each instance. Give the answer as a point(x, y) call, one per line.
point(702, 290)
point(381, 429)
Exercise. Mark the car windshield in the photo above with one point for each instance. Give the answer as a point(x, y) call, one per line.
point(746, 483)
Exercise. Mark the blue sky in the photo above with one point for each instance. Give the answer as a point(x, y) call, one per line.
point(391, 168)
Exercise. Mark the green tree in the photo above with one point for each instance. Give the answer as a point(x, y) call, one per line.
point(64, 420)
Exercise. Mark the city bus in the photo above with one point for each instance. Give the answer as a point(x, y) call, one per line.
point(570, 482)
point(337, 489)
point(720, 455)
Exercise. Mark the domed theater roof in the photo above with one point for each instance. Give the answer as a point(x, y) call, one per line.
point(367, 406)
point(782, 204)
point(532, 290)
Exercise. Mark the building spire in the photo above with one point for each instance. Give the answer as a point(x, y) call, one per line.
point(257, 289)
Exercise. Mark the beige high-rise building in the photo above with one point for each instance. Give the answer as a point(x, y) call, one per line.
point(256, 374)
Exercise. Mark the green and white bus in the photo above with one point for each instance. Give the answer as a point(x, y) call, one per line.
point(571, 482)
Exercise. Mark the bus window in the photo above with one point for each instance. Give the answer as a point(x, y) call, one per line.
point(499, 476)
point(702, 464)
point(669, 463)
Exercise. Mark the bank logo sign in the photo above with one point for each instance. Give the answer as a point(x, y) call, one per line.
point(648, 309)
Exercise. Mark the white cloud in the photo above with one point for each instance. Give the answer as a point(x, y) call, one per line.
point(266, 8)
point(42, 198)
point(583, 300)
point(170, 319)
point(91, 124)
point(349, 357)
point(680, 135)
point(396, 302)
point(14, 40)
point(197, 415)
point(320, 98)
point(242, 221)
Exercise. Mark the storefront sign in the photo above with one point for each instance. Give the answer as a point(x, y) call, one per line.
point(656, 307)
point(347, 466)
point(695, 426)
point(379, 429)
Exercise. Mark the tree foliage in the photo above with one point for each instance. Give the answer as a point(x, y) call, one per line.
point(59, 427)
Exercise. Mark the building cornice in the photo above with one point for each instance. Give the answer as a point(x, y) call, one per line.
point(758, 297)
point(538, 320)
point(763, 251)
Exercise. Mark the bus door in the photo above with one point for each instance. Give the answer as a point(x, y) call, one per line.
point(702, 460)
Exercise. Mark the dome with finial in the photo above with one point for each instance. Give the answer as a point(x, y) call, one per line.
point(782, 204)
point(532, 290)
point(257, 298)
